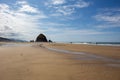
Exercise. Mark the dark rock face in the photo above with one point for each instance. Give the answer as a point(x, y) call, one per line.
point(31, 40)
point(41, 38)
point(50, 41)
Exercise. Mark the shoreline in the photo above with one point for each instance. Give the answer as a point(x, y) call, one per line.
point(93, 43)
point(107, 51)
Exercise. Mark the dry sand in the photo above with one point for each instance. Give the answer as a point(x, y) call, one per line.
point(37, 63)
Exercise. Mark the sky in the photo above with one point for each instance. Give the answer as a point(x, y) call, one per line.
point(61, 20)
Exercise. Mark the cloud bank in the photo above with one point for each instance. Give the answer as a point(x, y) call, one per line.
point(22, 21)
point(110, 18)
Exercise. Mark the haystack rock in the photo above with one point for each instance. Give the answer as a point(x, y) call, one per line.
point(41, 38)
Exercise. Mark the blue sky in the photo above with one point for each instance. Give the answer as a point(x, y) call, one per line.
point(61, 20)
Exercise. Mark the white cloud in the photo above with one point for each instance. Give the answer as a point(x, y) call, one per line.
point(64, 7)
point(3, 7)
point(57, 2)
point(21, 2)
point(7, 31)
point(65, 10)
point(16, 22)
point(54, 2)
point(25, 7)
point(109, 18)
point(81, 4)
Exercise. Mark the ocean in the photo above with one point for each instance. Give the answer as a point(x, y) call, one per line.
point(99, 43)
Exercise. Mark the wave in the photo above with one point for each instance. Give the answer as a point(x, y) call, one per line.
point(99, 43)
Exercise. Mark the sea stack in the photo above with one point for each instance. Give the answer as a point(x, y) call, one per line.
point(41, 38)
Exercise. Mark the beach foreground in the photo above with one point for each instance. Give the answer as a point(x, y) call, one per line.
point(34, 62)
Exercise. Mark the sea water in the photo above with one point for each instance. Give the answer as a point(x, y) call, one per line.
point(99, 43)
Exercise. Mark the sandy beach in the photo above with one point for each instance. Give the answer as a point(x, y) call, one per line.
point(34, 62)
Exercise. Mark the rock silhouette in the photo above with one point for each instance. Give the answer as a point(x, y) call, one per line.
point(41, 38)
point(50, 41)
point(5, 39)
point(10, 40)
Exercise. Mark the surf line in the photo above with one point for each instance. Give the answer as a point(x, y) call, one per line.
point(91, 56)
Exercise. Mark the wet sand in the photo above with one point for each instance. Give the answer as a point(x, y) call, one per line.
point(107, 51)
point(31, 62)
